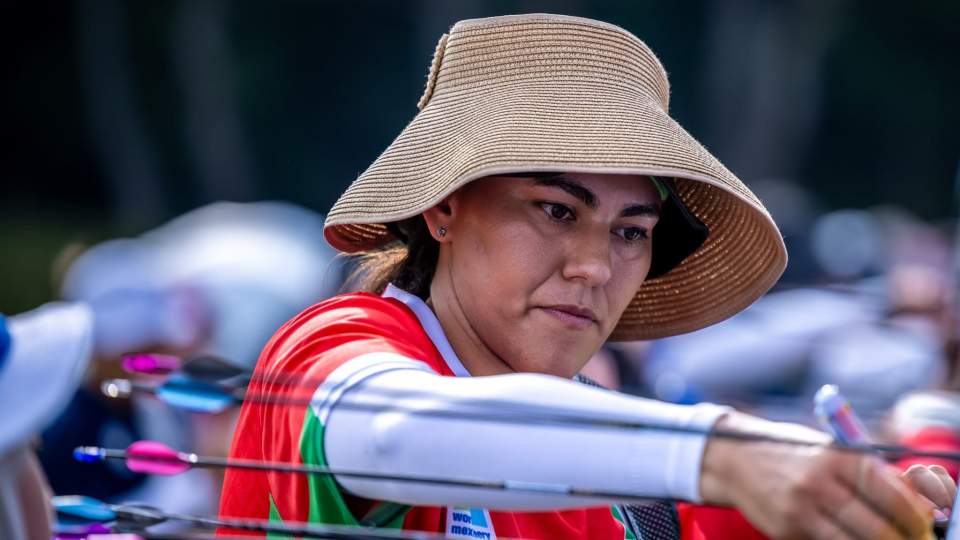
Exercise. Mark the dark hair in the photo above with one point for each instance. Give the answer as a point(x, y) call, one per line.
point(408, 262)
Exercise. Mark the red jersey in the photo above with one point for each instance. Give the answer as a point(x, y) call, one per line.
point(334, 342)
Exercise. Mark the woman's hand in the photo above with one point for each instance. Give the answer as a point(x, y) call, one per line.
point(935, 484)
point(790, 491)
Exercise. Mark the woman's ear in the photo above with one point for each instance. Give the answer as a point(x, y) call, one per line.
point(440, 217)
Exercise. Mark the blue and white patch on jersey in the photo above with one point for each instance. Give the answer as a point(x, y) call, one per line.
point(469, 523)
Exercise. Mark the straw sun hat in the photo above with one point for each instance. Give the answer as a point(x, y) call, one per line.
point(550, 93)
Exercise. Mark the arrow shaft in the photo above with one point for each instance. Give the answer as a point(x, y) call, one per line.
point(507, 485)
point(508, 413)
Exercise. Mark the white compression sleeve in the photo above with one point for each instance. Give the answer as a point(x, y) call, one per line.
point(646, 462)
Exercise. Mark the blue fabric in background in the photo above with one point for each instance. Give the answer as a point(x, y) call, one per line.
point(4, 341)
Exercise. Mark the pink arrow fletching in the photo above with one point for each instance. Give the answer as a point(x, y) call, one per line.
point(151, 457)
point(151, 364)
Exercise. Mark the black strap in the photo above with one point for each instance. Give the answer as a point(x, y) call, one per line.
point(654, 520)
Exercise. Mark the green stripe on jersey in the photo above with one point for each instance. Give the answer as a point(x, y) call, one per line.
point(276, 519)
point(627, 533)
point(326, 502)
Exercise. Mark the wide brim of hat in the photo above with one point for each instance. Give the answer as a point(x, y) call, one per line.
point(575, 125)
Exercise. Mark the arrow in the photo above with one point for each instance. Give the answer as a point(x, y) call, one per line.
point(208, 368)
point(135, 518)
point(155, 458)
point(180, 392)
point(204, 397)
point(216, 370)
point(509, 413)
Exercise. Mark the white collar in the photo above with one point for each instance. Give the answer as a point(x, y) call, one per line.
point(431, 325)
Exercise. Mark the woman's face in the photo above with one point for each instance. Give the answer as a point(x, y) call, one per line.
point(540, 269)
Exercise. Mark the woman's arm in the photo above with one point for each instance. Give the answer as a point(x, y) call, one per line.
point(647, 462)
point(788, 491)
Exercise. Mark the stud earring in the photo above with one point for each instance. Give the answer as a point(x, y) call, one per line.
point(441, 232)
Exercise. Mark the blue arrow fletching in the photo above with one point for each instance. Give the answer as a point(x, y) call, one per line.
point(78, 510)
point(196, 396)
point(88, 454)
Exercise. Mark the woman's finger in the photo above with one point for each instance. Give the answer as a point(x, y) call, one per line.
point(825, 528)
point(852, 516)
point(948, 482)
point(928, 484)
point(879, 485)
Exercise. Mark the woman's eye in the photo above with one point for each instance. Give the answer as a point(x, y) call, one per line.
point(558, 212)
point(634, 234)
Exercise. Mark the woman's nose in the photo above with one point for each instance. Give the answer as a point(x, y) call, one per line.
point(588, 261)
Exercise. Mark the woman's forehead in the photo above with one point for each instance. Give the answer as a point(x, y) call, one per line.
point(596, 186)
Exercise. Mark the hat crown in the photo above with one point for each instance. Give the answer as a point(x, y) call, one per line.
point(508, 50)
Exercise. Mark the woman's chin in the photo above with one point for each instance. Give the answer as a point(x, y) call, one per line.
point(555, 355)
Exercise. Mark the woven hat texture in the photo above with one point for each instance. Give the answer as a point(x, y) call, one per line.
point(540, 92)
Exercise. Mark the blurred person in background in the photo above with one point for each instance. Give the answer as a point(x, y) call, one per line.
point(617, 366)
point(877, 336)
point(44, 356)
point(234, 271)
point(888, 340)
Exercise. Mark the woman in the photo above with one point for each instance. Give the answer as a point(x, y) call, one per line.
point(540, 203)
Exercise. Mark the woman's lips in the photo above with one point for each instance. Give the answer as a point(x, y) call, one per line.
point(573, 317)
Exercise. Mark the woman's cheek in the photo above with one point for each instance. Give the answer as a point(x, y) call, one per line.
point(518, 244)
point(627, 277)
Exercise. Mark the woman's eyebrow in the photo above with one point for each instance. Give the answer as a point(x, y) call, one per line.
point(641, 210)
point(581, 192)
point(573, 188)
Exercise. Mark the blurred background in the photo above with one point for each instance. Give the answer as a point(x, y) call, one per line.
point(118, 116)
point(137, 127)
